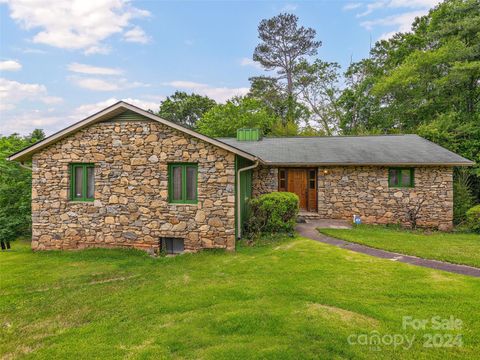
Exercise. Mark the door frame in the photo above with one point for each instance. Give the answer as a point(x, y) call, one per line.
point(283, 178)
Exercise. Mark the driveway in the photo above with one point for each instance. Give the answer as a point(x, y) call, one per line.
point(309, 230)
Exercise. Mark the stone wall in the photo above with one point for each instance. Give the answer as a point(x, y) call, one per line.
point(346, 191)
point(264, 180)
point(131, 207)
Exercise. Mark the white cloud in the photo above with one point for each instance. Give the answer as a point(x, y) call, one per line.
point(93, 70)
point(74, 24)
point(136, 35)
point(289, 8)
point(400, 22)
point(10, 65)
point(113, 84)
point(249, 62)
point(86, 110)
point(351, 6)
point(14, 92)
point(220, 94)
point(26, 121)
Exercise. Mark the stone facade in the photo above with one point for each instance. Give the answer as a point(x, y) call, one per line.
point(131, 207)
point(264, 180)
point(347, 191)
point(355, 190)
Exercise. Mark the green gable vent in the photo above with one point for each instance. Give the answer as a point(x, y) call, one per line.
point(249, 134)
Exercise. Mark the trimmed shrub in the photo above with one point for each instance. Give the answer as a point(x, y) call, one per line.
point(275, 212)
point(473, 218)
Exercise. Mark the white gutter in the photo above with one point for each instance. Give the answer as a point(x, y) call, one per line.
point(25, 166)
point(239, 210)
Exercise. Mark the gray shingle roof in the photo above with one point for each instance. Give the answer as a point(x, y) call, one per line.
point(349, 150)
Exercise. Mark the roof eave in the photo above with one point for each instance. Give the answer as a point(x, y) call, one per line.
point(290, 164)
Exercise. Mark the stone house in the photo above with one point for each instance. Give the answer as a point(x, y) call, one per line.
point(124, 177)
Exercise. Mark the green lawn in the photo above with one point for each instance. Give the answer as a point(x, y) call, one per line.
point(288, 300)
point(459, 248)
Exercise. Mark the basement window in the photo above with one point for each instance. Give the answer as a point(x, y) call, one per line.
point(171, 245)
point(401, 177)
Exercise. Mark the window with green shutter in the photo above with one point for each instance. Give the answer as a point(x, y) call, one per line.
point(182, 183)
point(401, 177)
point(82, 182)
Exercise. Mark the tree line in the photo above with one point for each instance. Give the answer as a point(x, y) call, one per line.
point(425, 82)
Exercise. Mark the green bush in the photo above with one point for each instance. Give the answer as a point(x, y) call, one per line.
point(462, 195)
point(473, 218)
point(272, 213)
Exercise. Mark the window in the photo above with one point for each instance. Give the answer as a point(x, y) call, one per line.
point(311, 179)
point(172, 245)
point(282, 180)
point(182, 183)
point(82, 182)
point(398, 177)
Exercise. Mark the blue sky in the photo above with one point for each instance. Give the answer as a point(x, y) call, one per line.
point(63, 60)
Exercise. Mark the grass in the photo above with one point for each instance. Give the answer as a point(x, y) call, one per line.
point(292, 299)
point(458, 248)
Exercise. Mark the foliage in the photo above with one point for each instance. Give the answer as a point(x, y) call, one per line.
point(15, 187)
point(319, 90)
point(275, 212)
point(473, 218)
point(283, 46)
point(425, 82)
point(462, 195)
point(459, 248)
point(223, 120)
point(185, 109)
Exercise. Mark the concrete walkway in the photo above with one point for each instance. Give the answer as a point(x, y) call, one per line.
point(309, 230)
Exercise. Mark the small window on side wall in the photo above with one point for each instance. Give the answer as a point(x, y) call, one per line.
point(282, 180)
point(182, 183)
point(401, 177)
point(82, 182)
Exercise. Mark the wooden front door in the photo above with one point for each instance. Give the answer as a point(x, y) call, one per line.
point(302, 182)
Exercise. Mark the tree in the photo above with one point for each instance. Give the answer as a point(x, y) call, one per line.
point(318, 84)
point(283, 45)
point(185, 109)
point(425, 82)
point(223, 120)
point(15, 188)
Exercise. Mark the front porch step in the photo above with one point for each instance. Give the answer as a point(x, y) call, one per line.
point(307, 215)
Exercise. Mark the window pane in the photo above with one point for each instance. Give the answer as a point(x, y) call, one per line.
point(191, 183)
point(312, 175)
point(177, 183)
point(394, 177)
point(406, 179)
point(282, 174)
point(90, 182)
point(78, 181)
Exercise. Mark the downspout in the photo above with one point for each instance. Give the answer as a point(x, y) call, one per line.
point(239, 210)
